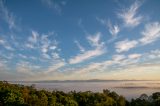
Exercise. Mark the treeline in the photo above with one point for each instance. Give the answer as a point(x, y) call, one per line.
point(20, 95)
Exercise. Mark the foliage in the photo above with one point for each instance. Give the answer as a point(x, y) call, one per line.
point(19, 95)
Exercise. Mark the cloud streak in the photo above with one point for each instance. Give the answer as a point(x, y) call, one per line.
point(53, 5)
point(129, 15)
point(7, 16)
point(151, 33)
point(125, 45)
point(98, 50)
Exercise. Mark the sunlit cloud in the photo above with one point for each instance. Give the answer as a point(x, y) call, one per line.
point(134, 56)
point(129, 15)
point(79, 46)
point(151, 33)
point(47, 53)
point(125, 45)
point(6, 45)
point(113, 29)
point(98, 50)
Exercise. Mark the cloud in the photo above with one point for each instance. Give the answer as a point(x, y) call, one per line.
point(22, 56)
point(134, 56)
point(95, 40)
point(153, 54)
point(43, 43)
point(32, 40)
point(113, 29)
point(118, 57)
point(34, 37)
point(7, 16)
point(79, 46)
point(98, 50)
point(129, 15)
point(86, 55)
point(119, 62)
point(6, 45)
point(53, 5)
point(59, 63)
point(151, 33)
point(26, 67)
point(125, 45)
point(3, 65)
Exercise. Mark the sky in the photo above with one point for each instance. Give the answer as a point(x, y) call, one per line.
point(79, 40)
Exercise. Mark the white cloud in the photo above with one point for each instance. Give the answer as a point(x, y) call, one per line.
point(129, 15)
point(134, 56)
point(34, 37)
point(22, 56)
point(151, 33)
point(98, 50)
point(102, 21)
point(79, 46)
point(113, 29)
point(154, 54)
point(3, 65)
point(43, 43)
point(55, 55)
point(95, 40)
point(125, 45)
point(7, 16)
point(118, 57)
point(86, 55)
point(53, 5)
point(55, 66)
point(26, 67)
point(6, 45)
point(33, 40)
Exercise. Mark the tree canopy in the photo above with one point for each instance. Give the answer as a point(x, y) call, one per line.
point(20, 95)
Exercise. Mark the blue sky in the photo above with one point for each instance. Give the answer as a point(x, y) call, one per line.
point(79, 39)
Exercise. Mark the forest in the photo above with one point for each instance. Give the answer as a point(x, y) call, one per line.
point(20, 95)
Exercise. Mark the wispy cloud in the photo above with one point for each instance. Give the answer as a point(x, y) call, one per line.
point(134, 56)
point(59, 63)
point(151, 33)
point(32, 40)
point(86, 55)
point(98, 50)
point(153, 54)
point(53, 5)
point(26, 67)
point(94, 40)
point(118, 57)
point(7, 16)
point(120, 62)
point(125, 45)
point(3, 65)
point(34, 37)
point(129, 15)
point(22, 56)
point(113, 29)
point(42, 43)
point(79, 46)
point(6, 45)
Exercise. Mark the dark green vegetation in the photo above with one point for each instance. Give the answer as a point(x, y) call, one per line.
point(19, 95)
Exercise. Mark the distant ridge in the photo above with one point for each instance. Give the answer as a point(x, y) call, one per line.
point(91, 80)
